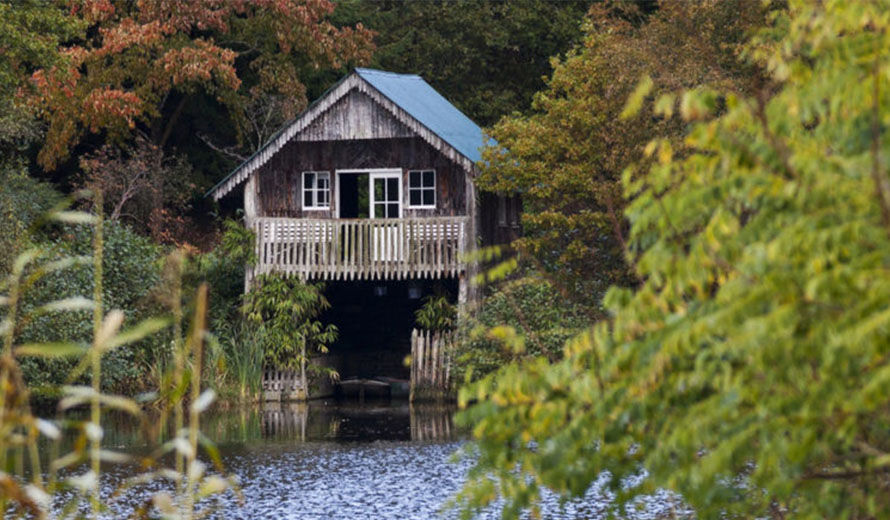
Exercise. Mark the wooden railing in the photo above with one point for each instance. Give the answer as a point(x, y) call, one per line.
point(364, 249)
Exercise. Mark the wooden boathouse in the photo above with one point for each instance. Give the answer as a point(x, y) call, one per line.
point(371, 189)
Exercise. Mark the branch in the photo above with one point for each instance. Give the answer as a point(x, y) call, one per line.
point(876, 147)
point(774, 141)
point(228, 151)
point(846, 475)
point(173, 119)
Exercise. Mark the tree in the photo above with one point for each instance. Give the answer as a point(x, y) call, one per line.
point(565, 158)
point(487, 57)
point(140, 184)
point(142, 62)
point(31, 32)
point(286, 312)
point(749, 370)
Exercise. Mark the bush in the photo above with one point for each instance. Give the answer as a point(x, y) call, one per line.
point(523, 318)
point(23, 201)
point(131, 271)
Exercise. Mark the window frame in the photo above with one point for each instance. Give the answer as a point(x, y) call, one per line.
point(315, 190)
point(423, 188)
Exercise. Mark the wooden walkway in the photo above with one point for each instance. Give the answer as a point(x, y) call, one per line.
point(361, 249)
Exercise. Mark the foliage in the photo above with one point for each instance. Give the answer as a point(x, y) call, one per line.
point(486, 57)
point(237, 354)
point(285, 310)
point(565, 159)
point(131, 272)
point(139, 56)
point(23, 201)
point(240, 369)
point(73, 481)
point(31, 32)
point(238, 242)
point(520, 319)
point(437, 313)
point(749, 370)
point(138, 184)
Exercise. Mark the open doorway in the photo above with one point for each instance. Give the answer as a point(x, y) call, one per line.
point(354, 195)
point(369, 193)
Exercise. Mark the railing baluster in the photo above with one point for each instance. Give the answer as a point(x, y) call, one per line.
point(363, 249)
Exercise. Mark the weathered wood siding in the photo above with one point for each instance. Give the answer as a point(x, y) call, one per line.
point(499, 219)
point(279, 181)
point(354, 116)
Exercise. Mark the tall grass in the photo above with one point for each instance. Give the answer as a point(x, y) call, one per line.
point(242, 349)
point(72, 486)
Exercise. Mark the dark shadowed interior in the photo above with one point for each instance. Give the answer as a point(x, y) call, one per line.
point(375, 319)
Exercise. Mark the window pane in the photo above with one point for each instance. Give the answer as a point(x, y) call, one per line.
point(392, 189)
point(379, 210)
point(429, 179)
point(323, 181)
point(378, 189)
point(392, 211)
point(414, 179)
point(429, 197)
point(308, 180)
point(414, 196)
point(307, 198)
point(323, 197)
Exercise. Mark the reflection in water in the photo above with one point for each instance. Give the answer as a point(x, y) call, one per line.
point(328, 421)
point(337, 460)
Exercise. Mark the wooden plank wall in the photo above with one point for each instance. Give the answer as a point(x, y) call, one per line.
point(499, 219)
point(432, 354)
point(279, 187)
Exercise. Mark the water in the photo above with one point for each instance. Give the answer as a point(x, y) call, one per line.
point(329, 460)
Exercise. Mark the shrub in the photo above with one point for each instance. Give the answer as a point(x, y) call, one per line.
point(523, 318)
point(131, 271)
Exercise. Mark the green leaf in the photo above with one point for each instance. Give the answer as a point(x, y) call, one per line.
point(635, 100)
point(74, 217)
point(51, 350)
point(140, 331)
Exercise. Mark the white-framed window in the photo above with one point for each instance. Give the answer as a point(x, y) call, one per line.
point(316, 190)
point(422, 188)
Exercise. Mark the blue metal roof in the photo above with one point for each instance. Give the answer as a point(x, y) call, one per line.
point(416, 97)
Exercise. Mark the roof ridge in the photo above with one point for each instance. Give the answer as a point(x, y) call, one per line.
point(365, 70)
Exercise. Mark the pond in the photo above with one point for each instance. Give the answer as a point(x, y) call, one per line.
point(346, 460)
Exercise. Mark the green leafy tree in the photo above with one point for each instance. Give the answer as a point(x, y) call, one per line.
point(565, 158)
point(750, 369)
point(286, 310)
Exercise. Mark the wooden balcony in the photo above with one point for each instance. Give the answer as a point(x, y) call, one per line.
point(361, 249)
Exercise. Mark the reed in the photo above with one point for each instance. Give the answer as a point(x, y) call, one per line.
point(78, 473)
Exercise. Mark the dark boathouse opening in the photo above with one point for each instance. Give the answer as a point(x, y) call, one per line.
point(375, 320)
